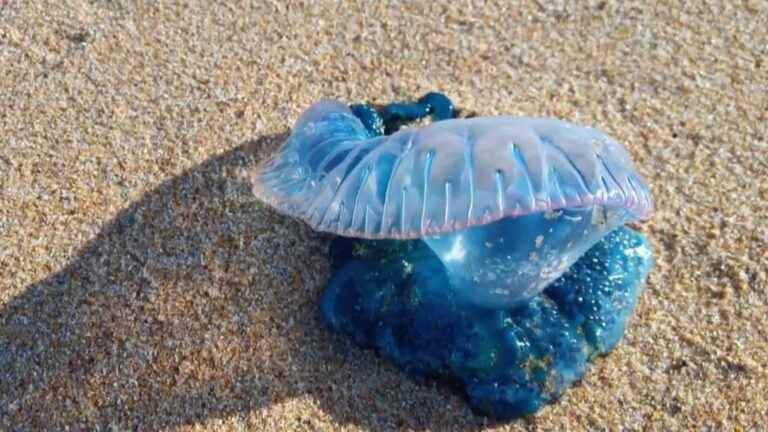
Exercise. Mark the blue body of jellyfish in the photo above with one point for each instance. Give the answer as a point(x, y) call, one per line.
point(491, 253)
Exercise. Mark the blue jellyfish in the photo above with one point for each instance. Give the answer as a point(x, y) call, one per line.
point(491, 253)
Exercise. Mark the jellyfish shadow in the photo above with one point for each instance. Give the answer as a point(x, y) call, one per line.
point(193, 304)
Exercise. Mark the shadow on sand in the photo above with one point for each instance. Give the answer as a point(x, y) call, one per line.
point(198, 303)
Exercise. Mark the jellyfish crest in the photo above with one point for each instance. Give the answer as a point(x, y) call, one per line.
point(445, 176)
point(323, 137)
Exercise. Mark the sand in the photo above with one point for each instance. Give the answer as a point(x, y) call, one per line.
point(143, 287)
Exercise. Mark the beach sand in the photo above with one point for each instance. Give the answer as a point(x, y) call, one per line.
point(143, 287)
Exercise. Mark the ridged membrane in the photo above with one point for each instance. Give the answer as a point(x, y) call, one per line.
point(444, 176)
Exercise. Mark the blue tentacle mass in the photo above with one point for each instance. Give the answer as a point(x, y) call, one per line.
point(395, 297)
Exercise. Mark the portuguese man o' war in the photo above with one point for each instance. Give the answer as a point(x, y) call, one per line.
point(488, 252)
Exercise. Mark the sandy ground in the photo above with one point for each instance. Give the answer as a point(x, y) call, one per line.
point(142, 286)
